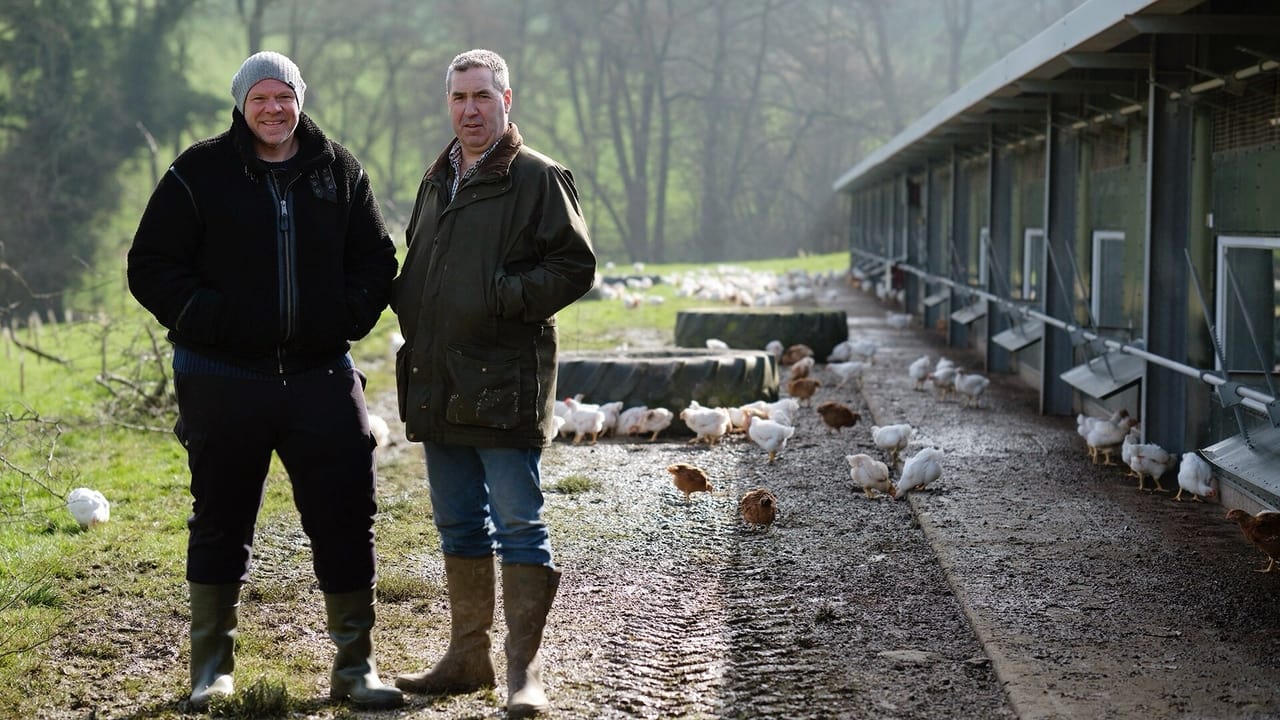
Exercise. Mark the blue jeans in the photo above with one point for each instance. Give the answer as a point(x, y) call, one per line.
point(488, 499)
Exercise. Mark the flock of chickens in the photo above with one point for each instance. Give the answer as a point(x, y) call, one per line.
point(770, 425)
point(1120, 433)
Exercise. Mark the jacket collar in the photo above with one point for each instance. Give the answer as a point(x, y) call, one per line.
point(496, 165)
point(313, 147)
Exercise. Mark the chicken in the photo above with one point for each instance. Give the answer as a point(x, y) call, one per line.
point(774, 348)
point(1085, 423)
point(89, 507)
point(837, 415)
point(584, 419)
point(758, 508)
point(689, 479)
point(850, 370)
point(381, 431)
point(919, 370)
point(1105, 438)
point(769, 434)
point(1151, 459)
point(716, 344)
point(892, 439)
point(897, 320)
point(801, 368)
point(655, 420)
point(864, 349)
point(971, 386)
point(795, 352)
point(842, 352)
point(709, 425)
point(918, 471)
point(561, 409)
point(1263, 530)
point(869, 474)
point(611, 412)
point(943, 377)
point(629, 420)
point(803, 388)
point(1196, 477)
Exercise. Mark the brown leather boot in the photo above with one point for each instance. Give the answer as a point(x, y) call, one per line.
point(527, 592)
point(466, 665)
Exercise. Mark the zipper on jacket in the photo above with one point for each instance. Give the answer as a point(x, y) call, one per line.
point(285, 263)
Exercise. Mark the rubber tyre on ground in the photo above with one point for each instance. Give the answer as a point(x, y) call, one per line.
point(669, 378)
point(754, 328)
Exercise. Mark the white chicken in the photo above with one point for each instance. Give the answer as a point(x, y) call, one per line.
point(1196, 477)
point(850, 370)
point(944, 377)
point(381, 431)
point(1149, 459)
point(842, 352)
point(584, 419)
point(770, 435)
point(89, 507)
point(864, 349)
point(774, 348)
point(1085, 423)
point(709, 425)
point(611, 411)
point(869, 474)
point(918, 471)
point(1105, 437)
point(972, 386)
point(781, 410)
point(655, 420)
point(892, 439)
point(629, 420)
point(919, 370)
point(716, 344)
point(897, 320)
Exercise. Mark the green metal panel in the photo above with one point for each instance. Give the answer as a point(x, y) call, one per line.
point(1243, 199)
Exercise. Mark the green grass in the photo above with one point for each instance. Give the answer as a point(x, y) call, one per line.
point(604, 324)
point(65, 423)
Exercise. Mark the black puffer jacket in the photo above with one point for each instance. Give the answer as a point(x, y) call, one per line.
point(272, 276)
point(485, 274)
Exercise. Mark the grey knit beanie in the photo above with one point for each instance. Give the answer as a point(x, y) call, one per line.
point(262, 66)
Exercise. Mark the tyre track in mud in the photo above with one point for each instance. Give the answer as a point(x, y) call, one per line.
point(838, 610)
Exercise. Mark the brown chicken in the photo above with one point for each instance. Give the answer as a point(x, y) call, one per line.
point(1263, 530)
point(689, 479)
point(759, 507)
point(794, 353)
point(803, 388)
point(837, 415)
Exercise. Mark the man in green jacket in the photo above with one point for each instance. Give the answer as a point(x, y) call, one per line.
point(496, 246)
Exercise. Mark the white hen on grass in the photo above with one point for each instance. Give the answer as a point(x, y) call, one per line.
point(89, 507)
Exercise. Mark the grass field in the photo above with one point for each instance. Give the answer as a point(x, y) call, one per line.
point(90, 404)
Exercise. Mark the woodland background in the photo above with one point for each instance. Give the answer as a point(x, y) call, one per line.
point(698, 130)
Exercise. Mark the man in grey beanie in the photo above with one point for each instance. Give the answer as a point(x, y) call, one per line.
point(264, 254)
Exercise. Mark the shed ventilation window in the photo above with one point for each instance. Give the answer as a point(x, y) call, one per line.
point(1110, 147)
point(1255, 270)
point(1248, 120)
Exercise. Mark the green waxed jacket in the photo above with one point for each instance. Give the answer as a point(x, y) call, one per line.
point(477, 296)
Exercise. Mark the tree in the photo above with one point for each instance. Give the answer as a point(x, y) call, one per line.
point(84, 87)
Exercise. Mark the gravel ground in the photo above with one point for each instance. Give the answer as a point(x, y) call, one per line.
point(1026, 582)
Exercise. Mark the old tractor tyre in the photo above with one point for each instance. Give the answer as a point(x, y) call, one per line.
point(669, 378)
point(753, 328)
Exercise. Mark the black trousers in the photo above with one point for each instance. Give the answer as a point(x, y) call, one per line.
point(318, 424)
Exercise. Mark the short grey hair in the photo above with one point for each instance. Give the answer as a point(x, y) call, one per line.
point(478, 58)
